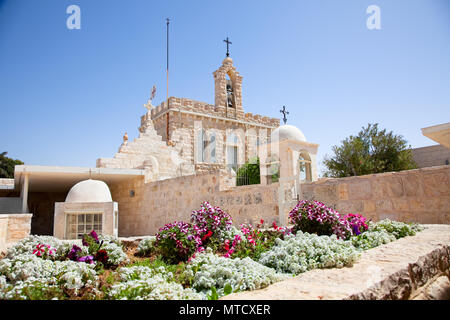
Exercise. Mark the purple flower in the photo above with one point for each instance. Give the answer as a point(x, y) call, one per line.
point(86, 259)
point(73, 254)
point(94, 235)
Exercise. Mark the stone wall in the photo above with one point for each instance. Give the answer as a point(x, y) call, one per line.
point(3, 231)
point(186, 118)
point(431, 156)
point(14, 227)
point(146, 207)
point(202, 108)
point(421, 195)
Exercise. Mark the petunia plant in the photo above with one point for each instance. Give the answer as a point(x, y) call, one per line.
point(178, 241)
point(210, 221)
point(316, 217)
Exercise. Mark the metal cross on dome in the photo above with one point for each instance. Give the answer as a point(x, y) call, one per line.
point(284, 112)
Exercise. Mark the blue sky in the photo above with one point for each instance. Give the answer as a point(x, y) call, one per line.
point(68, 96)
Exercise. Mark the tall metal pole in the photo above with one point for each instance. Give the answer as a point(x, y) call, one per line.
point(167, 122)
point(168, 21)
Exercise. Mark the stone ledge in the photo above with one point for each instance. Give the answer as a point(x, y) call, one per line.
point(402, 269)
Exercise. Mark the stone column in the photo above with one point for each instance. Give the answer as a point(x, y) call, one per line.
point(25, 194)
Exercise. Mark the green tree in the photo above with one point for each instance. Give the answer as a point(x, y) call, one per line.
point(249, 173)
point(7, 165)
point(371, 151)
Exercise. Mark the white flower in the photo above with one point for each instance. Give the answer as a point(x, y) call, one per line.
point(304, 251)
point(143, 283)
point(240, 274)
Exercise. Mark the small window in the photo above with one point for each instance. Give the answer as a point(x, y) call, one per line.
point(81, 223)
point(304, 166)
point(212, 146)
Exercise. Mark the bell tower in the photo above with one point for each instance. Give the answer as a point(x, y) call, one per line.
point(228, 88)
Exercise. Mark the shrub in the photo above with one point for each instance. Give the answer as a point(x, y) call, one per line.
point(51, 248)
point(210, 221)
point(30, 244)
point(146, 246)
point(114, 253)
point(255, 241)
point(30, 289)
point(144, 283)
point(104, 250)
point(178, 241)
point(25, 269)
point(210, 271)
point(357, 223)
point(315, 217)
point(304, 251)
point(249, 173)
point(395, 228)
point(371, 239)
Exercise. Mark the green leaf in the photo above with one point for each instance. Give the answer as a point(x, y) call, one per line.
point(214, 295)
point(228, 289)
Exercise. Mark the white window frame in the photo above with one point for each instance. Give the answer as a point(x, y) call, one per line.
point(86, 229)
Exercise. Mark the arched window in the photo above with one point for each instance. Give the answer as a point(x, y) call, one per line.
point(304, 166)
point(212, 147)
point(206, 146)
point(201, 145)
point(230, 92)
point(232, 151)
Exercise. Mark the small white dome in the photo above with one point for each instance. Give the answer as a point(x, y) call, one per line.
point(89, 191)
point(287, 132)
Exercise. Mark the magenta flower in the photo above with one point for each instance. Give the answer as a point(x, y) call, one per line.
point(86, 259)
point(73, 254)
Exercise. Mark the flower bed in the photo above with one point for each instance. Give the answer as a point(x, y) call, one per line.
point(205, 259)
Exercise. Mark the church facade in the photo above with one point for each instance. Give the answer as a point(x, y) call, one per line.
point(198, 137)
point(187, 152)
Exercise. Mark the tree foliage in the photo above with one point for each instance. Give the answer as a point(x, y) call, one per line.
point(371, 151)
point(249, 173)
point(7, 165)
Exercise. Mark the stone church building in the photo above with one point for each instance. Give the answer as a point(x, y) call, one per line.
point(187, 152)
point(183, 136)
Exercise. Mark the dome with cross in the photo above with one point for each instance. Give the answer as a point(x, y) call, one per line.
point(89, 191)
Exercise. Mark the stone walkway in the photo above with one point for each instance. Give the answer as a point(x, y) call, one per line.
point(404, 269)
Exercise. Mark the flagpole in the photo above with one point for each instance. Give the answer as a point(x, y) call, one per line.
point(167, 119)
point(168, 21)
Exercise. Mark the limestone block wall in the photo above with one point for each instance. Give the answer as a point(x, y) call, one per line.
point(420, 195)
point(431, 156)
point(183, 118)
point(194, 107)
point(185, 131)
point(14, 227)
point(3, 231)
point(146, 207)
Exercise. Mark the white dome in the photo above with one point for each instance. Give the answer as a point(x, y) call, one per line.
point(89, 191)
point(287, 132)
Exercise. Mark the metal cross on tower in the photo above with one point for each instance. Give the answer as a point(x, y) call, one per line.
point(228, 42)
point(284, 112)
